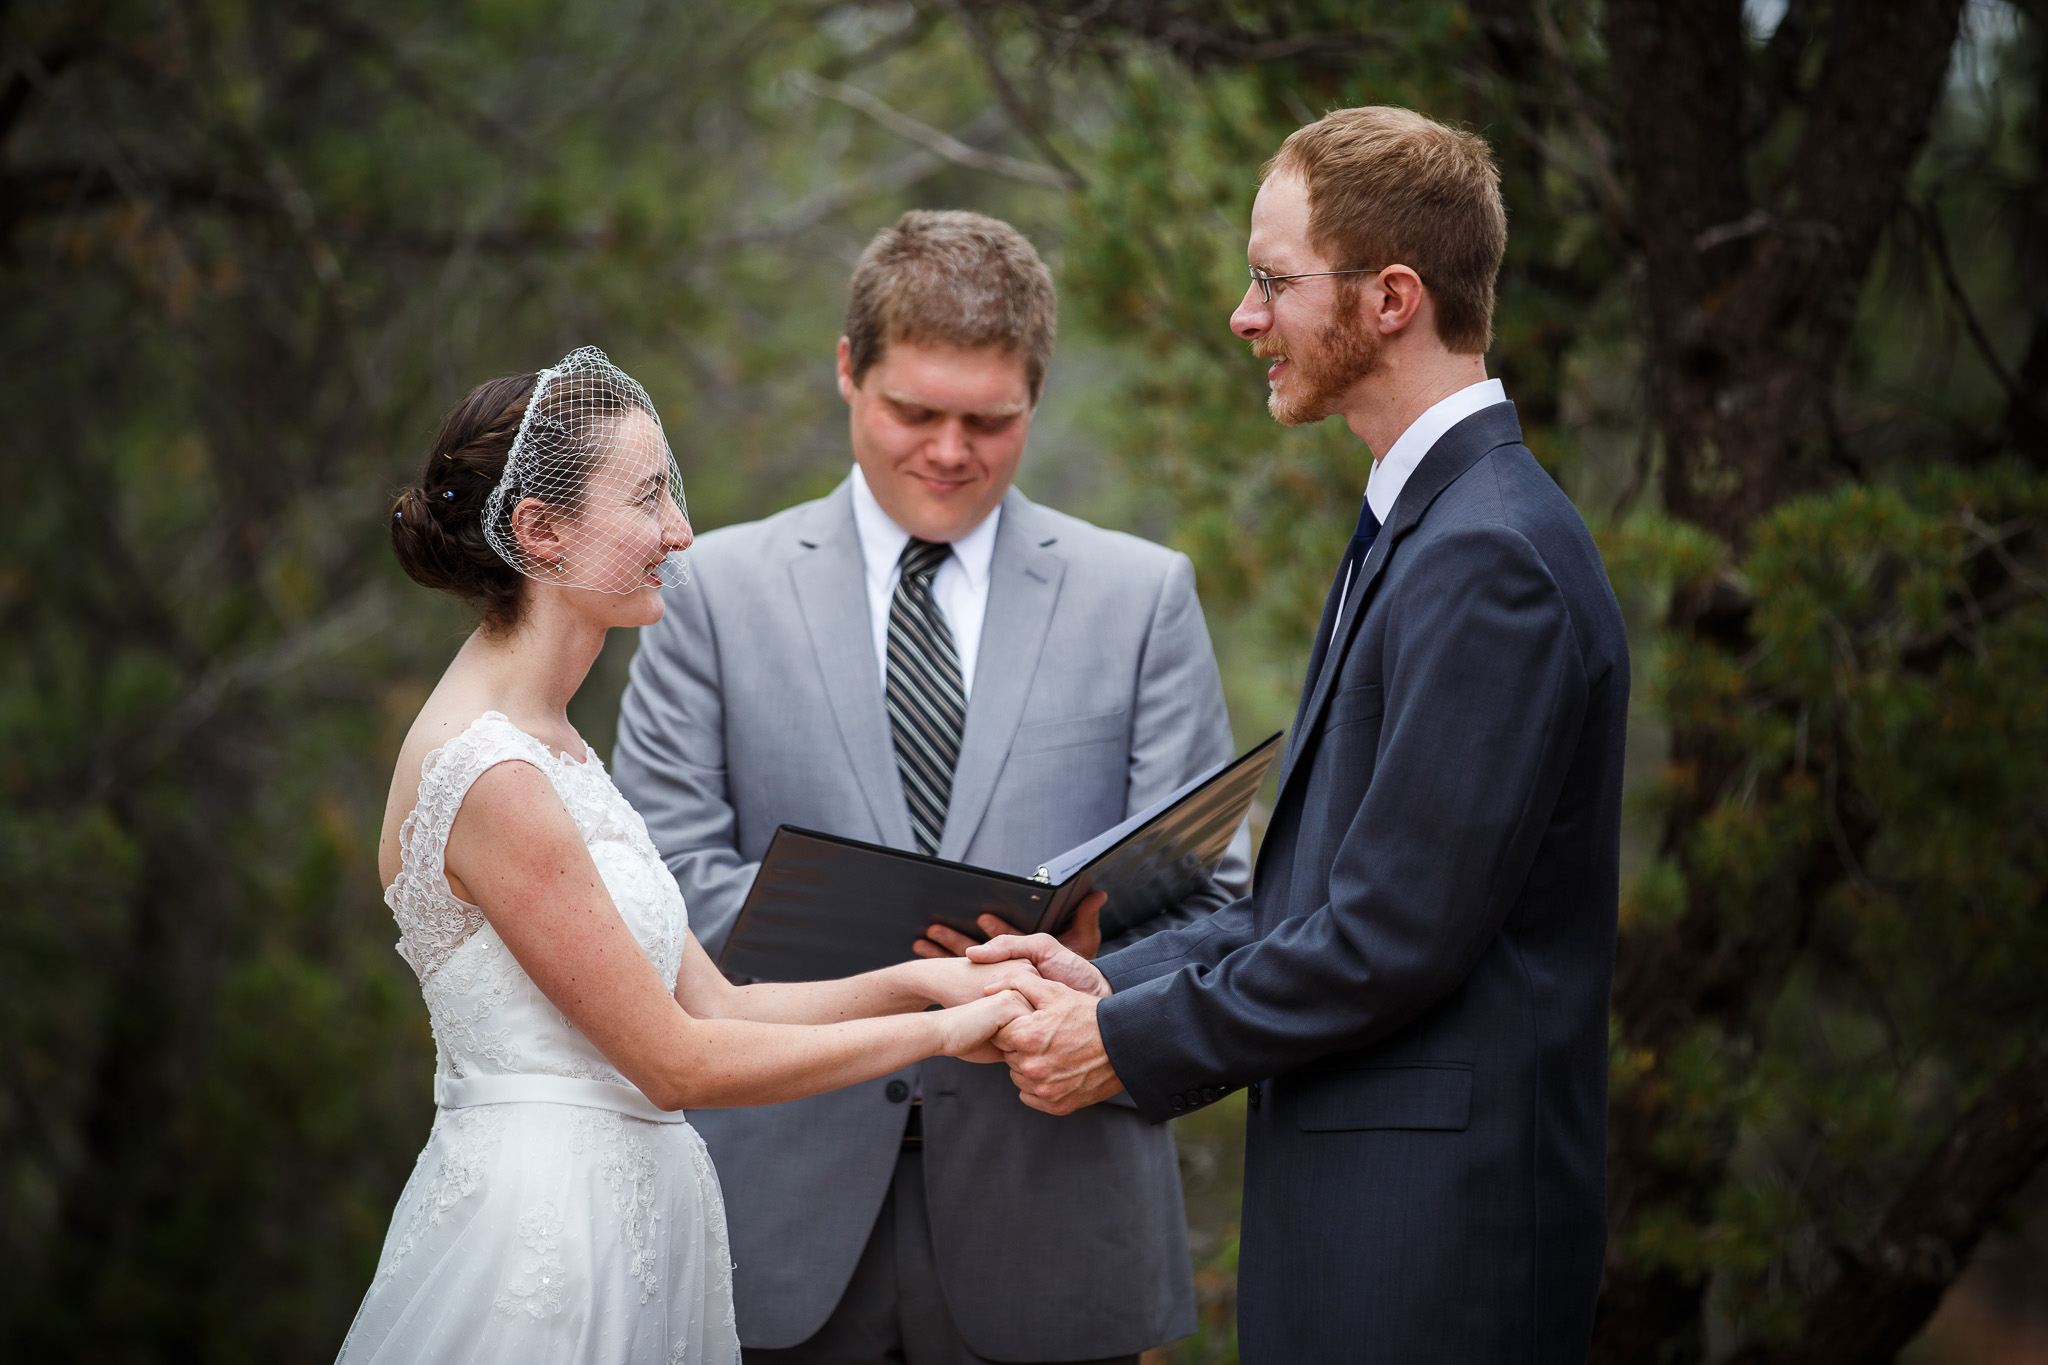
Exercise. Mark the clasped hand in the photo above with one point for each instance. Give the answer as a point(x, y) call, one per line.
point(1055, 1052)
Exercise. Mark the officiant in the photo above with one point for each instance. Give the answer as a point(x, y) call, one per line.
point(927, 659)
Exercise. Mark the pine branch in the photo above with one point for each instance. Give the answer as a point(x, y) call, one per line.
point(930, 138)
point(1894, 1285)
point(1027, 120)
point(1197, 33)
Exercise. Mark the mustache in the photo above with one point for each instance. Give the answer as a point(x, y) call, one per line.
point(1269, 350)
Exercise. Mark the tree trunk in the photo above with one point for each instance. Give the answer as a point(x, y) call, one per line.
point(1751, 294)
point(1881, 1302)
point(1750, 297)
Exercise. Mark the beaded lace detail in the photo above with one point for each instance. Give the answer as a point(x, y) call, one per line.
point(487, 1016)
point(719, 1248)
point(432, 922)
point(537, 1289)
point(548, 1214)
point(447, 1173)
point(626, 1165)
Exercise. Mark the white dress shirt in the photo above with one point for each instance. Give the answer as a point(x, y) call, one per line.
point(959, 588)
point(1390, 472)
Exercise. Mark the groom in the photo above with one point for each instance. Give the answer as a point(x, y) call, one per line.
point(1415, 992)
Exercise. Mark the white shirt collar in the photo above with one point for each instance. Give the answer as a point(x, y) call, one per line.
point(882, 540)
point(1390, 474)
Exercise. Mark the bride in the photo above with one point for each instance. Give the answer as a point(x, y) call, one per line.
point(563, 1209)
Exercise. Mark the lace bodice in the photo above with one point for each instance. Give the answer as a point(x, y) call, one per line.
point(488, 1016)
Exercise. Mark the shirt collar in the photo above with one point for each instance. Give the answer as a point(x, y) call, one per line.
point(882, 540)
point(1383, 487)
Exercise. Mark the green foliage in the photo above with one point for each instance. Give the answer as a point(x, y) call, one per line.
point(1155, 264)
point(247, 254)
point(1886, 721)
point(1159, 261)
point(1211, 1143)
point(1856, 809)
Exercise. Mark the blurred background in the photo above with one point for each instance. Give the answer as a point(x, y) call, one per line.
point(1775, 312)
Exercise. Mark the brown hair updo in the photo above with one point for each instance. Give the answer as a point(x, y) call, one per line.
point(437, 527)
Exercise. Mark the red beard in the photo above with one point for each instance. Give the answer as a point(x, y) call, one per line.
point(1343, 353)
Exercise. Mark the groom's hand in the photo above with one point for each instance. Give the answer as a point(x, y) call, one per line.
point(1083, 937)
point(1054, 960)
point(1055, 1052)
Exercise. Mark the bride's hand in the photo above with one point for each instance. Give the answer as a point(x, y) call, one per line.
point(967, 1031)
point(956, 981)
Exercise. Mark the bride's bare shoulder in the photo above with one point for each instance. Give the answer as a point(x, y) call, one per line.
point(446, 716)
point(439, 722)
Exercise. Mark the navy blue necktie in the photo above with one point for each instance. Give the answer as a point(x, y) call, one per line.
point(1354, 556)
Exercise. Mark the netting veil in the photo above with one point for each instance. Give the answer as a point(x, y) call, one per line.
point(591, 496)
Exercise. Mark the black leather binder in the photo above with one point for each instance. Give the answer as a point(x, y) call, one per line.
point(823, 906)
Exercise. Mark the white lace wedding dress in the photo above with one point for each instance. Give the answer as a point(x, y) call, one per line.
point(555, 1214)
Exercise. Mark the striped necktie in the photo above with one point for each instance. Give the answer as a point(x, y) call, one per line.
point(927, 705)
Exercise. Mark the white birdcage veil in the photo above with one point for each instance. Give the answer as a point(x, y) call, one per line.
point(590, 487)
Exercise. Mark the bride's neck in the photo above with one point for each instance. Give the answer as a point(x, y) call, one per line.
point(533, 669)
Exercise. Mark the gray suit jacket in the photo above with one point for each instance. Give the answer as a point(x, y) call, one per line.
point(757, 702)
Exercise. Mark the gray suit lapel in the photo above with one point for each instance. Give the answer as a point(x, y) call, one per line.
point(1023, 585)
point(830, 579)
point(1456, 451)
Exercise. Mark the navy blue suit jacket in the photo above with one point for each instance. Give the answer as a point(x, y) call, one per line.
point(1416, 988)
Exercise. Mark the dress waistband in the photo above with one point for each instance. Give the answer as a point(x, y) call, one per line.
point(461, 1092)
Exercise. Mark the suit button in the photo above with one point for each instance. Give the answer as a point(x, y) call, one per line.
point(1251, 1094)
point(897, 1092)
point(1210, 1094)
point(1178, 1102)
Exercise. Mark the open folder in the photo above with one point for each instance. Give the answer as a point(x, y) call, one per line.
point(822, 906)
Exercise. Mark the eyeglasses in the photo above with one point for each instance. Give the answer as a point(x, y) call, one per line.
point(1266, 282)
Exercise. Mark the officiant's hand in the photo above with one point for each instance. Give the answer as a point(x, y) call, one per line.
point(1083, 938)
point(1055, 1052)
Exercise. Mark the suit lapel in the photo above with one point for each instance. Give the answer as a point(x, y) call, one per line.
point(1326, 629)
point(1456, 451)
point(1023, 585)
point(830, 579)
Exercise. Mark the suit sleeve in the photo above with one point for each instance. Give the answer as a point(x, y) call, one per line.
point(1206, 940)
point(1485, 694)
point(1179, 727)
point(670, 763)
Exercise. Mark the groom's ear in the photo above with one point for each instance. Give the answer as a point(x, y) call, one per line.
point(1393, 299)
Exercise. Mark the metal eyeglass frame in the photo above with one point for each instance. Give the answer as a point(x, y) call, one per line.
point(1266, 282)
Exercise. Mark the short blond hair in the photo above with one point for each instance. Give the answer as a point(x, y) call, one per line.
point(1388, 186)
point(951, 279)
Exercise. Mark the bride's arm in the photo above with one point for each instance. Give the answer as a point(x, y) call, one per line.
point(518, 853)
point(703, 990)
